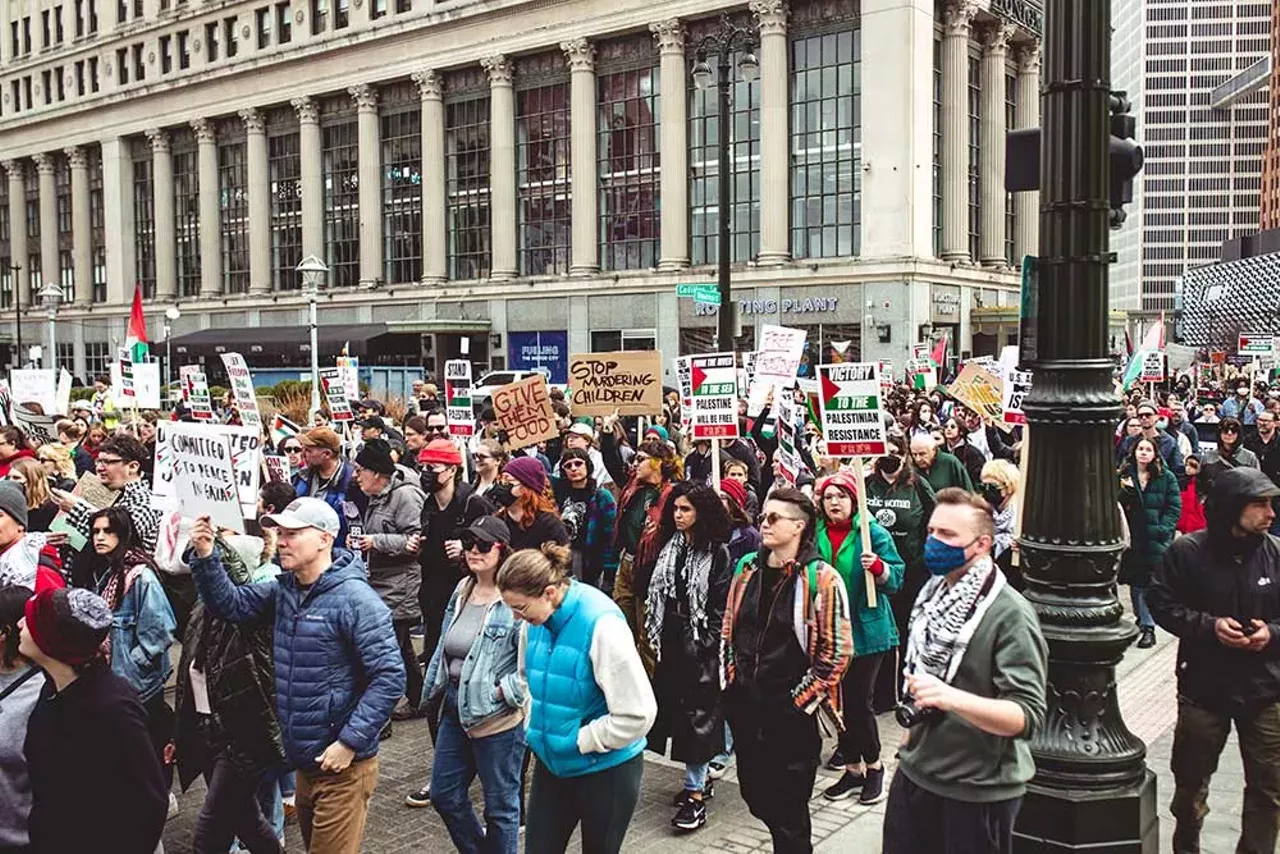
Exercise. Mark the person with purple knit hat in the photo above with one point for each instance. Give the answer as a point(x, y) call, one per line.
point(527, 506)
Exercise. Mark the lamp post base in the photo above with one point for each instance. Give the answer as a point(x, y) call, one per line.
point(1116, 821)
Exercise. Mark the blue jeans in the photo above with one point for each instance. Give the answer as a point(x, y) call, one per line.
point(1140, 610)
point(497, 759)
point(724, 758)
point(695, 777)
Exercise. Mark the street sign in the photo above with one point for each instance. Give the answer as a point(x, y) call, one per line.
point(713, 381)
point(851, 410)
point(709, 294)
point(1254, 344)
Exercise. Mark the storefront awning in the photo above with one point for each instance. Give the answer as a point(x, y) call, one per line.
point(277, 339)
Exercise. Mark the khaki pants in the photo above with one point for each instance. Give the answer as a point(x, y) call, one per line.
point(333, 808)
point(633, 608)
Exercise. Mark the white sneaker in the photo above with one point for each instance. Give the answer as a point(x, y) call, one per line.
point(173, 807)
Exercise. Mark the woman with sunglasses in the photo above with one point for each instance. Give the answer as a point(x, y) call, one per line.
point(589, 513)
point(1230, 453)
point(291, 450)
point(474, 683)
point(59, 466)
point(29, 475)
point(488, 458)
point(521, 492)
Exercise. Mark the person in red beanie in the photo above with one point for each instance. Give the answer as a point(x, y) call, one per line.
point(96, 782)
point(527, 505)
point(875, 632)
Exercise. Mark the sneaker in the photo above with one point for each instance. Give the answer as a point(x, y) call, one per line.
point(173, 807)
point(1148, 639)
point(848, 783)
point(404, 711)
point(836, 762)
point(385, 733)
point(692, 815)
point(416, 631)
point(873, 788)
point(716, 768)
point(290, 809)
point(682, 798)
point(420, 798)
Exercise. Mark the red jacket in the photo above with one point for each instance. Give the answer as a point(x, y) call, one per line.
point(1192, 518)
point(7, 462)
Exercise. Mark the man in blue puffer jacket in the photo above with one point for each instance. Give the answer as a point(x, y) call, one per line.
point(338, 671)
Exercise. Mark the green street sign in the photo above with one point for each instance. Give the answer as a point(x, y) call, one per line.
point(700, 293)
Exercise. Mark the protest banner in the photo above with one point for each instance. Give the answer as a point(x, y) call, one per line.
point(713, 384)
point(981, 391)
point(1017, 385)
point(246, 450)
point(277, 467)
point(885, 367)
point(204, 476)
point(921, 352)
point(458, 410)
point(777, 360)
point(242, 390)
point(788, 456)
point(350, 368)
point(1253, 344)
point(34, 385)
point(124, 364)
point(37, 428)
point(145, 382)
point(62, 398)
point(629, 383)
point(524, 411)
point(1153, 366)
point(684, 379)
point(852, 419)
point(335, 395)
point(922, 374)
point(195, 391)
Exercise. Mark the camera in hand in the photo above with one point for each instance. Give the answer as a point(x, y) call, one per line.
point(910, 715)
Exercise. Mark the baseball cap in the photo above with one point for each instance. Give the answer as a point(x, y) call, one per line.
point(305, 513)
point(321, 437)
point(490, 529)
point(583, 430)
point(372, 421)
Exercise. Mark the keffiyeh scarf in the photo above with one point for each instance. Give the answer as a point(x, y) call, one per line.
point(662, 586)
point(945, 617)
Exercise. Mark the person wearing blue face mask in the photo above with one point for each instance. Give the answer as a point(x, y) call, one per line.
point(974, 694)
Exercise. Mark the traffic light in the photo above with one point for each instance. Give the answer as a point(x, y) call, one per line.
point(1022, 158)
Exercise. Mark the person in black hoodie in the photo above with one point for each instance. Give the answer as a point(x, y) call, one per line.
point(1218, 590)
point(96, 783)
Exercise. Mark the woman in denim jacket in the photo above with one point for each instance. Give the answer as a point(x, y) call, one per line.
point(473, 679)
point(143, 625)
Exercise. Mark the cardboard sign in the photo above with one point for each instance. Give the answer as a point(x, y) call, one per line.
point(1153, 365)
point(277, 467)
point(91, 488)
point(195, 391)
point(335, 394)
point(62, 402)
point(524, 411)
point(714, 401)
point(37, 428)
point(204, 477)
point(33, 385)
point(146, 385)
point(246, 449)
point(627, 382)
point(242, 390)
point(787, 455)
point(1017, 385)
point(458, 410)
point(852, 419)
point(777, 360)
point(981, 391)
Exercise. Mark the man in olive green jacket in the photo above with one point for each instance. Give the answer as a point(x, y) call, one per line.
point(940, 468)
point(974, 695)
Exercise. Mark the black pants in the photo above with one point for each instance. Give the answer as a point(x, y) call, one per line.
point(231, 810)
point(433, 598)
point(602, 802)
point(160, 725)
point(860, 741)
point(412, 669)
point(777, 750)
point(917, 821)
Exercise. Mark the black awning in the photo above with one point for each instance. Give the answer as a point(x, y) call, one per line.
point(276, 340)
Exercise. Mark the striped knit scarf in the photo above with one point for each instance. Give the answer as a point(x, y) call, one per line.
point(696, 565)
point(945, 617)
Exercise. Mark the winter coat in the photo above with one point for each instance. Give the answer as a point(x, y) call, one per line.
point(344, 496)
point(1167, 446)
point(971, 457)
point(1192, 517)
point(1215, 462)
point(338, 670)
point(874, 629)
point(947, 471)
point(392, 517)
point(1153, 518)
point(589, 517)
point(686, 681)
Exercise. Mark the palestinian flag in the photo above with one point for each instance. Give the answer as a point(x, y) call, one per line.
point(136, 338)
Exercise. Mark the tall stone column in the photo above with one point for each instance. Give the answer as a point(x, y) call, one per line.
point(49, 271)
point(210, 227)
point(370, 189)
point(1026, 206)
point(18, 249)
point(118, 209)
point(995, 49)
point(674, 79)
point(775, 183)
point(582, 156)
point(259, 181)
point(165, 225)
point(312, 177)
point(955, 129)
point(81, 227)
point(502, 166)
point(434, 222)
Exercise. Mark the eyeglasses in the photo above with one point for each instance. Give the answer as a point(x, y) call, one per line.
point(772, 519)
point(471, 542)
point(108, 461)
point(573, 464)
point(481, 458)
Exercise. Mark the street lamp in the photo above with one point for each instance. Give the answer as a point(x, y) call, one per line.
point(724, 42)
point(171, 314)
point(50, 295)
point(313, 272)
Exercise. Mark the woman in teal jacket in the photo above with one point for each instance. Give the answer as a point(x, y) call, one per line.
point(1152, 504)
point(875, 632)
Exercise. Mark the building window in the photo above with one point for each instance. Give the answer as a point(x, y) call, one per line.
point(319, 16)
point(975, 155)
point(341, 14)
point(826, 145)
point(614, 340)
point(630, 169)
point(211, 41)
point(466, 144)
point(378, 9)
point(1010, 122)
point(97, 225)
point(542, 179)
point(263, 17)
point(284, 24)
point(186, 206)
point(232, 41)
point(233, 217)
point(166, 57)
point(704, 168)
point(144, 218)
point(139, 67)
point(402, 196)
point(59, 34)
point(66, 239)
point(937, 147)
point(122, 64)
point(26, 34)
point(32, 197)
point(339, 149)
point(93, 74)
point(404, 6)
point(285, 167)
point(45, 37)
point(184, 54)
point(97, 359)
point(6, 252)
point(93, 16)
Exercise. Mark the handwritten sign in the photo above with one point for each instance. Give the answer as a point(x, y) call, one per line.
point(524, 412)
point(38, 429)
point(204, 477)
point(714, 385)
point(32, 385)
point(684, 378)
point(1152, 367)
point(335, 394)
point(981, 391)
point(125, 359)
point(242, 390)
point(246, 451)
point(852, 412)
point(458, 411)
point(1017, 385)
point(788, 458)
point(777, 361)
point(277, 467)
point(628, 382)
point(350, 367)
point(195, 391)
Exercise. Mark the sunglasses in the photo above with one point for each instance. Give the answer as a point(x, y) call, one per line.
point(1228, 430)
point(481, 458)
point(772, 519)
point(471, 542)
point(438, 429)
point(573, 464)
point(295, 449)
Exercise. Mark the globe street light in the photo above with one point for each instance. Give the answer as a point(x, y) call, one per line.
point(313, 272)
point(50, 294)
point(170, 315)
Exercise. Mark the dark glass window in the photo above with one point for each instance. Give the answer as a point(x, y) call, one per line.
point(6, 252)
point(233, 217)
point(97, 223)
point(402, 196)
point(1010, 122)
point(66, 265)
point(630, 169)
point(542, 179)
point(704, 168)
point(466, 142)
point(286, 210)
point(186, 206)
point(339, 150)
point(34, 278)
point(975, 155)
point(937, 147)
point(144, 219)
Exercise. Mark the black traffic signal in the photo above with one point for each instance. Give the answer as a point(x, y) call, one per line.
point(1022, 158)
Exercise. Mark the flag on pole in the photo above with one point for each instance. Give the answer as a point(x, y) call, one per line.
point(135, 341)
point(1152, 342)
point(939, 354)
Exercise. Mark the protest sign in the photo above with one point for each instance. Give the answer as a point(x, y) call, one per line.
point(204, 477)
point(246, 449)
point(350, 368)
point(146, 385)
point(713, 385)
point(335, 394)
point(981, 391)
point(33, 385)
point(524, 411)
point(921, 352)
point(629, 383)
point(242, 390)
point(5, 402)
point(852, 420)
point(748, 373)
point(1252, 344)
point(37, 428)
point(788, 457)
point(1180, 356)
point(277, 467)
point(885, 367)
point(195, 391)
point(1017, 385)
point(458, 411)
point(62, 398)
point(1153, 367)
point(124, 364)
point(684, 378)
point(91, 488)
point(777, 360)
point(922, 374)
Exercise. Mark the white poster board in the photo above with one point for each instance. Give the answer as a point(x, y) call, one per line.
point(195, 392)
point(776, 363)
point(34, 385)
point(1017, 385)
point(37, 428)
point(62, 403)
point(457, 397)
point(146, 386)
point(852, 412)
point(242, 390)
point(714, 385)
point(246, 452)
point(204, 476)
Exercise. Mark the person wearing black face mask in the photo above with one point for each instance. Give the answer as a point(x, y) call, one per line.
point(1000, 483)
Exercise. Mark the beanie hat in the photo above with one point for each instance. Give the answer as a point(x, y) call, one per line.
point(735, 490)
point(441, 452)
point(13, 502)
point(577, 454)
point(841, 479)
point(659, 431)
point(528, 472)
point(374, 456)
point(68, 624)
